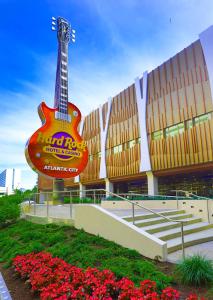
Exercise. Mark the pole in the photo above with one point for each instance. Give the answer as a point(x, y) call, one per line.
point(94, 196)
point(47, 206)
point(34, 205)
point(70, 205)
point(182, 238)
point(133, 213)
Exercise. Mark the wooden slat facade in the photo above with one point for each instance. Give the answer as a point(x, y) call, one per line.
point(178, 91)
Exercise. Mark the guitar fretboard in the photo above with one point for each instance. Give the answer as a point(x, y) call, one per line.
point(61, 87)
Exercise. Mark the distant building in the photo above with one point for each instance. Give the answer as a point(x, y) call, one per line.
point(10, 179)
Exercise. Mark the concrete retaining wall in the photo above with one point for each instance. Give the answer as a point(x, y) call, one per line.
point(96, 220)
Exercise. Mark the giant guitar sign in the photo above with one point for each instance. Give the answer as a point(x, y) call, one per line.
point(56, 149)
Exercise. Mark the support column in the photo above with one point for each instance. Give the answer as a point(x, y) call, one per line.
point(152, 184)
point(82, 190)
point(77, 178)
point(206, 39)
point(109, 187)
point(104, 131)
point(141, 99)
point(58, 188)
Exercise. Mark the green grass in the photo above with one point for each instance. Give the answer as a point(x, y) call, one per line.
point(195, 271)
point(79, 248)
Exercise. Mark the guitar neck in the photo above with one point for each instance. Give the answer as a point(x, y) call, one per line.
point(61, 86)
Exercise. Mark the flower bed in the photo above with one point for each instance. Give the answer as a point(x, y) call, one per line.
point(53, 278)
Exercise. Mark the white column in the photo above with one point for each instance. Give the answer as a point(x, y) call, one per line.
point(109, 187)
point(82, 191)
point(152, 184)
point(77, 178)
point(141, 98)
point(103, 172)
point(206, 39)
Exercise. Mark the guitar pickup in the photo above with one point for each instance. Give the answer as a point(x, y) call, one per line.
point(62, 116)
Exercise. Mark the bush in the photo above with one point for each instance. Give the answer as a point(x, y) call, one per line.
point(9, 213)
point(195, 270)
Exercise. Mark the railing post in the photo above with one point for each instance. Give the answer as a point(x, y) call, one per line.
point(133, 213)
point(47, 205)
point(34, 199)
point(70, 205)
point(207, 204)
point(94, 196)
point(182, 238)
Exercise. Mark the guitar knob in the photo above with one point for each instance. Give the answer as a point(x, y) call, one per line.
point(75, 113)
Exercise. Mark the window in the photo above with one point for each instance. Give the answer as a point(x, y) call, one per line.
point(138, 140)
point(108, 151)
point(203, 118)
point(117, 149)
point(157, 135)
point(174, 130)
point(131, 143)
point(189, 124)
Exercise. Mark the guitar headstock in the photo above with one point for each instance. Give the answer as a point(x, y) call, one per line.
point(64, 30)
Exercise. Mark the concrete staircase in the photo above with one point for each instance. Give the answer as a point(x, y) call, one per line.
point(195, 231)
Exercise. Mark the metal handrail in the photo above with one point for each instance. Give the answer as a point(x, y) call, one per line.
point(190, 193)
point(125, 199)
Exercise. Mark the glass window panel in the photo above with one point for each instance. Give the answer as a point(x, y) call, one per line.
point(131, 143)
point(189, 124)
point(202, 118)
point(157, 135)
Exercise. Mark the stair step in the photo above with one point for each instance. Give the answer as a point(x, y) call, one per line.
point(152, 215)
point(190, 240)
point(160, 220)
point(188, 229)
point(169, 225)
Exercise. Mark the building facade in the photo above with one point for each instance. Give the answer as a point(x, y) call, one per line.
point(156, 136)
point(10, 179)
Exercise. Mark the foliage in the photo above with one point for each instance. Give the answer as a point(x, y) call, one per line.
point(10, 206)
point(195, 270)
point(76, 200)
point(9, 212)
point(53, 278)
point(78, 248)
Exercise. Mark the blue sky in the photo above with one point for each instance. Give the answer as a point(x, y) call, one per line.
point(116, 41)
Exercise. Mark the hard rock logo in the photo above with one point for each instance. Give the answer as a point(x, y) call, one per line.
point(61, 145)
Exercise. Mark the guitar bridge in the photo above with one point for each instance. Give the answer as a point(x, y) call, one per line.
point(62, 116)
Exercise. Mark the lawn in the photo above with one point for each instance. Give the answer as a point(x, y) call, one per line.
point(78, 248)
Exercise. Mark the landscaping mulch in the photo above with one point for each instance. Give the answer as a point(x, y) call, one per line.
point(16, 286)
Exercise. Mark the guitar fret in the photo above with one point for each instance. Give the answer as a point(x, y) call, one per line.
point(63, 95)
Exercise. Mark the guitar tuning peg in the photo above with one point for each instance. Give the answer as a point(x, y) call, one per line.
point(53, 28)
point(53, 18)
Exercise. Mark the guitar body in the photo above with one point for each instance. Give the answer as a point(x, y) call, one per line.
point(56, 149)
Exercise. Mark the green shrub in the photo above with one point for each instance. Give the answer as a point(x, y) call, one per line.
point(9, 213)
point(195, 271)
